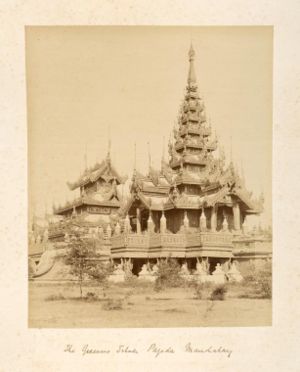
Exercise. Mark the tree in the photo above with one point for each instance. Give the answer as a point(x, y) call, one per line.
point(85, 263)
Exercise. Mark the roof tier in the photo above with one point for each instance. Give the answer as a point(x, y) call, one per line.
point(103, 170)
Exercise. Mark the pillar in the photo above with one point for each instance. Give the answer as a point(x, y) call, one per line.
point(245, 226)
point(138, 221)
point(163, 223)
point(117, 229)
point(100, 232)
point(236, 217)
point(225, 223)
point(45, 236)
point(185, 220)
point(202, 221)
point(127, 226)
point(150, 224)
point(108, 231)
point(213, 219)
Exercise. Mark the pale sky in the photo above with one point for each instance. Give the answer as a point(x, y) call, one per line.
point(86, 82)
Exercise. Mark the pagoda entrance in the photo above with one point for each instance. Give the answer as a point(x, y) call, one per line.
point(137, 264)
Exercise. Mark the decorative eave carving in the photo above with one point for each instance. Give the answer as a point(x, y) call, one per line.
point(103, 170)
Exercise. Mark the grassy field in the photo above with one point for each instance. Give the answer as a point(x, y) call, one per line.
point(57, 305)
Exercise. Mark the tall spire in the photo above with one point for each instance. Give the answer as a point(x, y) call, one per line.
point(192, 74)
point(193, 143)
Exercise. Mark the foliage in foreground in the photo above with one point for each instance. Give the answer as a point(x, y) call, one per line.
point(168, 275)
point(218, 293)
point(209, 291)
point(260, 279)
point(85, 263)
point(113, 304)
point(55, 297)
point(202, 291)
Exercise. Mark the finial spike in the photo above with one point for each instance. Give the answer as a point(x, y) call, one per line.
point(242, 171)
point(108, 156)
point(85, 157)
point(149, 155)
point(191, 52)
point(134, 159)
point(231, 149)
point(109, 146)
point(163, 149)
point(192, 74)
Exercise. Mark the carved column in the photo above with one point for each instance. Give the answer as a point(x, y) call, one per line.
point(236, 217)
point(138, 221)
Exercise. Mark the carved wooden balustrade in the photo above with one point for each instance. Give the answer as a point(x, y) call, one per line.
point(180, 244)
point(212, 239)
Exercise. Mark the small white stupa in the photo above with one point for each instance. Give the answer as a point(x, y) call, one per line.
point(234, 274)
point(218, 275)
point(145, 274)
point(118, 275)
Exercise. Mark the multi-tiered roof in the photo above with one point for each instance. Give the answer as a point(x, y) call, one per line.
point(194, 177)
point(193, 144)
point(98, 188)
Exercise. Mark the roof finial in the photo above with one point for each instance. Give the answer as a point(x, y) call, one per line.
point(191, 53)
point(85, 157)
point(45, 208)
point(108, 144)
point(242, 171)
point(134, 157)
point(192, 74)
point(163, 151)
point(149, 155)
point(230, 149)
point(134, 164)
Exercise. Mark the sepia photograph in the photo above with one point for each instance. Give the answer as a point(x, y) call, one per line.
point(149, 176)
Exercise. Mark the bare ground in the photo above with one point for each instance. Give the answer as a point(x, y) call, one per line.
point(141, 307)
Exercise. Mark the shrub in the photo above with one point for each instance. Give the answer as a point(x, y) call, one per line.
point(113, 304)
point(198, 292)
point(172, 310)
point(135, 282)
point(91, 296)
point(168, 275)
point(218, 293)
point(265, 280)
point(202, 290)
point(55, 297)
point(158, 285)
point(260, 279)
